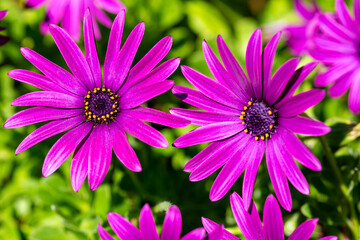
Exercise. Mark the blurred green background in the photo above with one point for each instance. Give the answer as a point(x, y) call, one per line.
point(38, 208)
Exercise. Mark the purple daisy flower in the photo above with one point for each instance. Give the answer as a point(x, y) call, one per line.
point(338, 48)
point(147, 231)
point(70, 13)
point(272, 227)
point(242, 118)
point(3, 39)
point(98, 113)
point(299, 36)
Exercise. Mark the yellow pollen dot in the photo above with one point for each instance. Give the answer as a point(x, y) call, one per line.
point(86, 103)
point(241, 117)
point(113, 106)
point(103, 117)
point(243, 122)
point(243, 113)
point(245, 107)
point(112, 98)
point(95, 90)
point(267, 135)
point(108, 90)
point(86, 107)
point(87, 96)
point(271, 126)
point(90, 112)
point(111, 113)
point(249, 103)
point(103, 89)
point(246, 130)
point(270, 112)
point(94, 116)
point(256, 138)
point(116, 95)
point(107, 115)
point(98, 89)
point(116, 111)
point(98, 119)
point(262, 138)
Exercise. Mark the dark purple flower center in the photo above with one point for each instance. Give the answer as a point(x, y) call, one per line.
point(259, 119)
point(101, 105)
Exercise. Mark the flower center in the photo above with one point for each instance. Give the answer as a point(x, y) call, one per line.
point(101, 105)
point(259, 119)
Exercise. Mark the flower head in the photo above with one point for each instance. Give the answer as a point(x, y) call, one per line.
point(147, 230)
point(272, 227)
point(338, 47)
point(3, 39)
point(243, 118)
point(299, 36)
point(70, 13)
point(97, 112)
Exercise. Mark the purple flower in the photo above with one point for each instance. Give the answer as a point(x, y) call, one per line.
point(272, 227)
point(338, 48)
point(3, 39)
point(242, 118)
point(299, 36)
point(71, 12)
point(147, 231)
point(98, 113)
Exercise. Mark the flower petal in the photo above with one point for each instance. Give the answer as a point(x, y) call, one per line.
point(123, 228)
point(303, 10)
point(147, 223)
point(272, 218)
point(268, 59)
point(304, 231)
point(196, 234)
point(354, 94)
point(103, 234)
point(172, 224)
point(304, 125)
point(211, 226)
point(79, 164)
point(113, 6)
point(335, 29)
point(64, 147)
point(122, 148)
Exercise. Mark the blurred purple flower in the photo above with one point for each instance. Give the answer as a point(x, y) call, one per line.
point(3, 39)
point(339, 48)
point(147, 231)
point(272, 227)
point(299, 36)
point(71, 12)
point(242, 118)
point(98, 114)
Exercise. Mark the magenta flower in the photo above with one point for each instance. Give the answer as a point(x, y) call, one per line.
point(3, 39)
point(71, 12)
point(98, 113)
point(272, 227)
point(299, 36)
point(147, 231)
point(338, 48)
point(242, 118)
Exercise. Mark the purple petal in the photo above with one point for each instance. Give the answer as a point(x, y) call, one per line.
point(335, 29)
point(147, 224)
point(303, 10)
point(209, 133)
point(232, 169)
point(298, 150)
point(90, 49)
point(114, 43)
point(49, 99)
point(304, 231)
point(220, 74)
point(334, 73)
point(3, 14)
point(300, 102)
point(214, 156)
point(104, 235)
point(341, 85)
point(252, 167)
point(268, 59)
point(39, 114)
point(248, 220)
point(354, 94)
point(155, 116)
point(73, 56)
point(123, 228)
point(64, 147)
point(151, 59)
point(304, 125)
point(199, 100)
point(100, 15)
point(172, 224)
point(357, 11)
point(140, 94)
point(141, 131)
point(122, 148)
point(253, 62)
point(273, 222)
point(280, 80)
point(202, 118)
point(48, 130)
point(211, 226)
point(211, 89)
point(72, 20)
point(240, 81)
point(122, 63)
point(79, 164)
point(113, 6)
point(55, 73)
point(329, 238)
point(99, 155)
point(196, 234)
point(277, 176)
point(36, 80)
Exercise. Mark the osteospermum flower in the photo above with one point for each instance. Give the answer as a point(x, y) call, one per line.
point(171, 229)
point(71, 12)
point(299, 36)
point(243, 118)
point(98, 113)
point(272, 227)
point(338, 48)
point(3, 39)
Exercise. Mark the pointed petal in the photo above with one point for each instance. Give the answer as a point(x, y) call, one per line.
point(305, 125)
point(253, 62)
point(211, 226)
point(354, 94)
point(147, 223)
point(303, 10)
point(304, 231)
point(196, 234)
point(172, 224)
point(123, 228)
point(79, 164)
point(343, 14)
point(103, 234)
point(272, 218)
point(335, 29)
point(268, 58)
